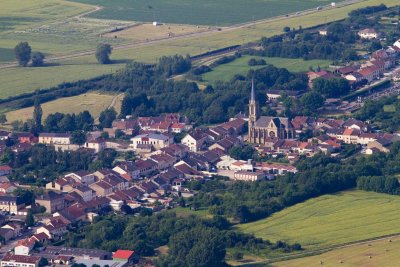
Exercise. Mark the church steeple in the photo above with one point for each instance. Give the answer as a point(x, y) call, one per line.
point(252, 96)
point(253, 110)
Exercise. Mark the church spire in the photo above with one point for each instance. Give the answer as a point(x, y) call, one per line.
point(252, 96)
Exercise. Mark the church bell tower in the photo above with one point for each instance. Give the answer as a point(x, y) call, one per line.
point(253, 110)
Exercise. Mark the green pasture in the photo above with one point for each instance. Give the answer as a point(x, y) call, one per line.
point(239, 66)
point(18, 80)
point(15, 81)
point(331, 220)
point(372, 254)
point(205, 12)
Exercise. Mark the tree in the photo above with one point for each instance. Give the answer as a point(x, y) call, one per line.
point(38, 59)
point(311, 101)
point(107, 117)
point(43, 262)
point(78, 137)
point(23, 53)
point(103, 53)
point(199, 247)
point(286, 29)
point(37, 116)
point(3, 118)
point(29, 220)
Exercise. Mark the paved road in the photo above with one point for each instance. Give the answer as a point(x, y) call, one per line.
point(184, 36)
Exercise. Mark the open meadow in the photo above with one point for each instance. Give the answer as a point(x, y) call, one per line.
point(94, 102)
point(19, 80)
point(372, 254)
point(205, 12)
point(240, 66)
point(332, 220)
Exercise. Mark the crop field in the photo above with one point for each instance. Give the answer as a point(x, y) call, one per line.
point(94, 102)
point(147, 31)
point(205, 12)
point(53, 27)
point(6, 54)
point(331, 220)
point(239, 66)
point(372, 254)
point(18, 80)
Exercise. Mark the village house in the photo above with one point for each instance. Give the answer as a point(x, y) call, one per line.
point(248, 176)
point(55, 138)
point(7, 187)
point(20, 260)
point(368, 34)
point(15, 227)
point(24, 246)
point(52, 201)
point(157, 141)
point(7, 234)
point(82, 177)
point(194, 141)
point(102, 188)
point(5, 170)
point(97, 145)
point(11, 204)
point(370, 73)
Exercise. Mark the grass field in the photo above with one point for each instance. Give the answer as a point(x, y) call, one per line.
point(51, 26)
point(239, 66)
point(332, 219)
point(16, 81)
point(93, 102)
point(19, 79)
point(147, 31)
point(383, 254)
point(205, 12)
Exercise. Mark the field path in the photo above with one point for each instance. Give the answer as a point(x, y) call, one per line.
point(114, 100)
point(188, 35)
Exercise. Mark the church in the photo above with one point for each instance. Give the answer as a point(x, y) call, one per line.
point(263, 128)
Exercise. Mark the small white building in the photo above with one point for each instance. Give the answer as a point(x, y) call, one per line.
point(20, 260)
point(55, 138)
point(194, 141)
point(157, 141)
point(249, 176)
point(368, 34)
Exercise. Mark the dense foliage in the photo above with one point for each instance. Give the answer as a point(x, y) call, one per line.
point(41, 164)
point(383, 112)
point(318, 175)
point(59, 122)
point(189, 238)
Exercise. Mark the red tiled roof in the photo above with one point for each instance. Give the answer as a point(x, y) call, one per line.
point(123, 254)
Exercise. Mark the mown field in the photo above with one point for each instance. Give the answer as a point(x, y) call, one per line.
point(51, 26)
point(240, 66)
point(19, 79)
point(380, 253)
point(205, 12)
point(331, 220)
point(94, 102)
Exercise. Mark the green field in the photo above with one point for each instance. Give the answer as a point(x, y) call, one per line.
point(18, 80)
point(239, 66)
point(94, 102)
point(332, 219)
point(204, 12)
point(383, 254)
point(50, 26)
